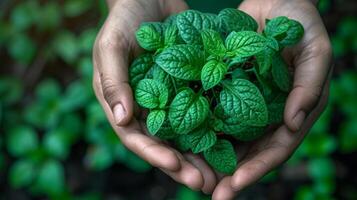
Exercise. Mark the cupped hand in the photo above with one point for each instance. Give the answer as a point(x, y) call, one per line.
point(114, 48)
point(311, 61)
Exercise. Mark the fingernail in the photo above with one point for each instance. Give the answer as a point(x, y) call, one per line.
point(119, 113)
point(299, 119)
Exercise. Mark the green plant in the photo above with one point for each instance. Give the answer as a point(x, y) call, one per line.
point(206, 77)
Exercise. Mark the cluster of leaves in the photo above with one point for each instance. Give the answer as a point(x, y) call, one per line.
point(205, 77)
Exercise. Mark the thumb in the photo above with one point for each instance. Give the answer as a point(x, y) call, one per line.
point(310, 76)
point(111, 60)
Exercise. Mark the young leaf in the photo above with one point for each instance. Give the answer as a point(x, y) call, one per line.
point(182, 143)
point(277, 26)
point(170, 35)
point(190, 23)
point(264, 60)
point(140, 68)
point(165, 132)
point(272, 43)
point(244, 43)
point(232, 19)
point(150, 36)
point(212, 73)
point(155, 120)
point(171, 20)
point(242, 99)
point(187, 111)
point(201, 139)
point(237, 60)
point(151, 94)
point(281, 73)
point(294, 34)
point(233, 126)
point(182, 61)
point(222, 157)
point(213, 43)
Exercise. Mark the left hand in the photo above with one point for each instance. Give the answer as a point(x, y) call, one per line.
point(311, 60)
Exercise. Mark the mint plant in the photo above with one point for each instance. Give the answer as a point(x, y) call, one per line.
point(208, 80)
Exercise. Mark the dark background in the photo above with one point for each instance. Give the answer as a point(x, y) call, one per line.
point(55, 142)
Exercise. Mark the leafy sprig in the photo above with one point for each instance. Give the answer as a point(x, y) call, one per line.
point(207, 76)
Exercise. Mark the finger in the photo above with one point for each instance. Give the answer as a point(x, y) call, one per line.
point(110, 57)
point(280, 147)
point(152, 151)
point(188, 175)
point(209, 178)
point(311, 68)
point(173, 7)
point(224, 191)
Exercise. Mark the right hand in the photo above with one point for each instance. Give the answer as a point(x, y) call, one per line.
point(113, 50)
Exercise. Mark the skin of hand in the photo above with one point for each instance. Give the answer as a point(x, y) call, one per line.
point(311, 61)
point(113, 51)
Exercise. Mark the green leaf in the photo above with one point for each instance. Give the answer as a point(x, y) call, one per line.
point(213, 43)
point(280, 72)
point(155, 120)
point(182, 142)
point(150, 36)
point(236, 20)
point(244, 133)
point(201, 139)
point(66, 46)
point(264, 60)
point(182, 61)
point(294, 34)
point(321, 168)
point(160, 75)
point(191, 22)
point(73, 8)
point(242, 99)
point(276, 108)
point(21, 140)
point(244, 43)
point(272, 43)
point(222, 157)
point(50, 179)
point(277, 26)
point(56, 144)
point(237, 61)
point(212, 73)
point(140, 68)
point(22, 49)
point(165, 131)
point(233, 126)
point(187, 111)
point(170, 36)
point(151, 94)
point(99, 157)
point(22, 173)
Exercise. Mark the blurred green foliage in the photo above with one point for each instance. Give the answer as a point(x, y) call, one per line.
point(45, 116)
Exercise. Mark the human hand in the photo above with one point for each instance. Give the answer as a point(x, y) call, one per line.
point(311, 60)
point(115, 46)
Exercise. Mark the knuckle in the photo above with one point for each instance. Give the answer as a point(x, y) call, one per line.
point(111, 41)
point(110, 90)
